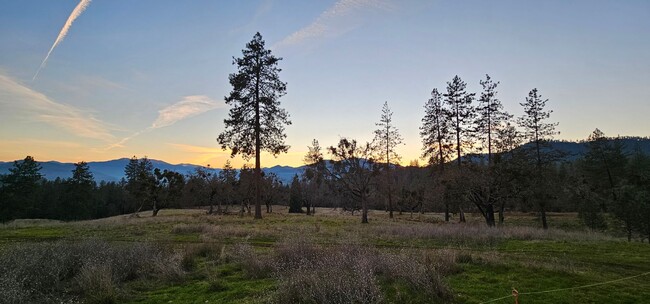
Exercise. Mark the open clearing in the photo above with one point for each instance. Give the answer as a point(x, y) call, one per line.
point(232, 259)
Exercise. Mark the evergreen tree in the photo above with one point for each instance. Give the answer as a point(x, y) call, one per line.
point(491, 115)
point(21, 189)
point(435, 131)
point(460, 115)
point(228, 179)
point(295, 196)
point(537, 131)
point(256, 121)
point(82, 174)
point(140, 180)
point(604, 165)
point(387, 138)
point(314, 176)
point(80, 188)
point(633, 204)
point(507, 139)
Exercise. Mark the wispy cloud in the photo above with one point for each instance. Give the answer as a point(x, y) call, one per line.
point(83, 4)
point(327, 22)
point(188, 107)
point(41, 108)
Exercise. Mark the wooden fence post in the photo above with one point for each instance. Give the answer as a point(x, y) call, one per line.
point(515, 294)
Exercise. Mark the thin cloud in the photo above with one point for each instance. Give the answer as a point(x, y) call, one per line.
point(83, 4)
point(188, 107)
point(41, 108)
point(326, 23)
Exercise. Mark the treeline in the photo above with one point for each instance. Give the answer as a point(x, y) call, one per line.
point(605, 182)
point(25, 193)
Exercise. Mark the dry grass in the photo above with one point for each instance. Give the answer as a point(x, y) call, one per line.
point(327, 258)
point(55, 272)
point(479, 234)
point(349, 273)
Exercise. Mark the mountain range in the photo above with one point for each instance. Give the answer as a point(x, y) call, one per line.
point(113, 170)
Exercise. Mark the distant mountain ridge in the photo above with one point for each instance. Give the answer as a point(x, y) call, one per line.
point(113, 170)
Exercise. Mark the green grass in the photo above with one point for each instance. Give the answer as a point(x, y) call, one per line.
point(233, 287)
point(490, 264)
point(33, 234)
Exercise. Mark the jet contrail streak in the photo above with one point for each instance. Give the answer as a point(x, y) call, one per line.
point(64, 31)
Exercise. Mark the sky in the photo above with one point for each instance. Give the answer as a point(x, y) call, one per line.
point(148, 78)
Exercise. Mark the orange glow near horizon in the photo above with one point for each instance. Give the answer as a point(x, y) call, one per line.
point(172, 153)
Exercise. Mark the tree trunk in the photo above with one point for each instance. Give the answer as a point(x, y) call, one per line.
point(390, 203)
point(446, 212)
point(489, 215)
point(258, 129)
point(462, 215)
point(628, 227)
point(489, 134)
point(155, 209)
point(390, 197)
point(364, 210)
point(543, 213)
point(219, 209)
point(501, 215)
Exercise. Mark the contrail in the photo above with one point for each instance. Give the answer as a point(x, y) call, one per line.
point(64, 31)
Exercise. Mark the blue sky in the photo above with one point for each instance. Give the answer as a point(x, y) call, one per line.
point(149, 77)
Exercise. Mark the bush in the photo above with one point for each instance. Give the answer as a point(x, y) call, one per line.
point(56, 272)
point(351, 274)
point(96, 282)
point(254, 267)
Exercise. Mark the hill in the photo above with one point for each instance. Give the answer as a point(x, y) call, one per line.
point(113, 170)
point(574, 150)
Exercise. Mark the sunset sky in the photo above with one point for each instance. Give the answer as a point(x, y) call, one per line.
point(149, 77)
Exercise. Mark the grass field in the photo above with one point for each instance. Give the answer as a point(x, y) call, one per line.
point(186, 256)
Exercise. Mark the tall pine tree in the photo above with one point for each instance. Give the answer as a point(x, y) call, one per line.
point(256, 121)
point(387, 138)
point(461, 114)
point(537, 131)
point(435, 131)
point(20, 190)
point(491, 115)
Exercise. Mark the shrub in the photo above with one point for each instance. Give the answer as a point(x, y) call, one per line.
point(96, 282)
point(253, 266)
point(351, 274)
point(56, 272)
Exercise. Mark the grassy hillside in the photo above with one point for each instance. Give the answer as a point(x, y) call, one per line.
point(185, 256)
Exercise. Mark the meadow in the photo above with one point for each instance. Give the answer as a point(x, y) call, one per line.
point(187, 256)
